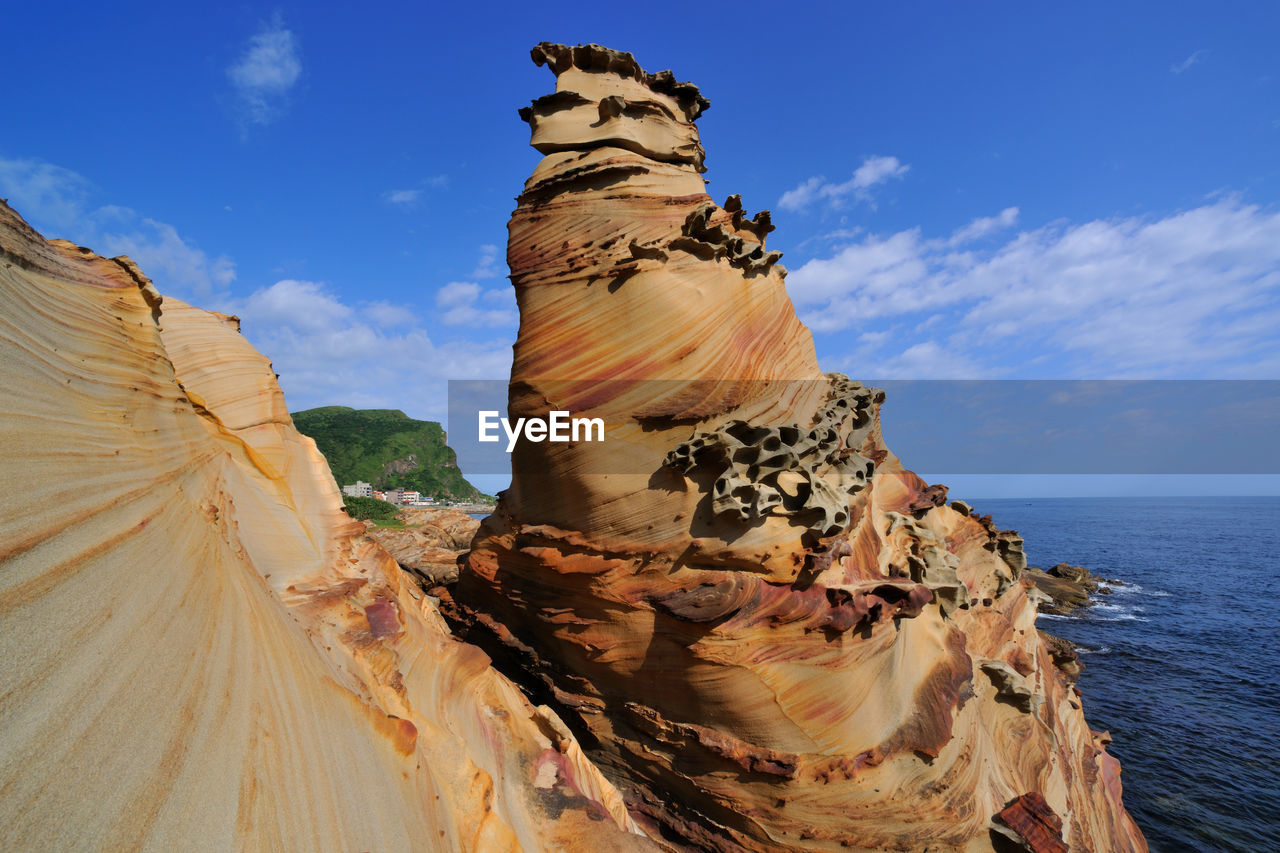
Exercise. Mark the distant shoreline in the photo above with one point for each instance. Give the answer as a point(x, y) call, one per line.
point(468, 508)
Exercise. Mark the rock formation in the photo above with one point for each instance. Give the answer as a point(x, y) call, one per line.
point(201, 651)
point(765, 631)
point(743, 625)
point(1066, 588)
point(430, 544)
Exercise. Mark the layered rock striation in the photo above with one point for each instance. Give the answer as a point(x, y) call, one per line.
point(766, 632)
point(201, 650)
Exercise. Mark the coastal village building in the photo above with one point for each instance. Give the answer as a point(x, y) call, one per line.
point(361, 489)
point(413, 497)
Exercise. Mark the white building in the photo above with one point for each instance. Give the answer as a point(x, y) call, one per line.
point(361, 489)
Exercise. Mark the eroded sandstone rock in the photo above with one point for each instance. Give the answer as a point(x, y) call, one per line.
point(1030, 823)
point(767, 632)
point(1065, 657)
point(201, 650)
point(430, 544)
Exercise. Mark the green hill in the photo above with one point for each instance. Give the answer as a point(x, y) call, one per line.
point(387, 448)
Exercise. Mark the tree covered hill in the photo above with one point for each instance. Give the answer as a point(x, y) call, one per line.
point(387, 448)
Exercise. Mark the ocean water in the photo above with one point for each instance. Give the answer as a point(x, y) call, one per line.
point(1183, 661)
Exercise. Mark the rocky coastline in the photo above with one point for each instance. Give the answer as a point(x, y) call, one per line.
point(1067, 588)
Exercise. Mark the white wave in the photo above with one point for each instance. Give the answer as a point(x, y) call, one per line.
point(1105, 612)
point(1121, 616)
point(1135, 588)
point(1108, 607)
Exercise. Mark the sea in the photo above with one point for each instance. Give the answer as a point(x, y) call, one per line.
point(1182, 661)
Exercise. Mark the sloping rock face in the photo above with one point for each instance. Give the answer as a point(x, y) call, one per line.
point(767, 632)
point(201, 651)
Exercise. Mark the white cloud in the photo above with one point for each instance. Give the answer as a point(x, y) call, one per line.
point(984, 226)
point(176, 266)
point(1179, 67)
point(44, 194)
point(388, 315)
point(328, 352)
point(301, 305)
point(927, 358)
point(873, 171)
point(457, 294)
point(802, 196)
point(487, 266)
point(266, 72)
point(1196, 293)
point(466, 303)
point(409, 198)
point(56, 201)
point(403, 198)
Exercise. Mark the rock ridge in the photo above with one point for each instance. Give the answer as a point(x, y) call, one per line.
point(203, 652)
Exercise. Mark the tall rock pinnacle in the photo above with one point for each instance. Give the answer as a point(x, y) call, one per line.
point(763, 629)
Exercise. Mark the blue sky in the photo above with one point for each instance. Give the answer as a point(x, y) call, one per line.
point(997, 190)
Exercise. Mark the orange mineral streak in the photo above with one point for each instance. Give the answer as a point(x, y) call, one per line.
point(201, 650)
point(773, 637)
